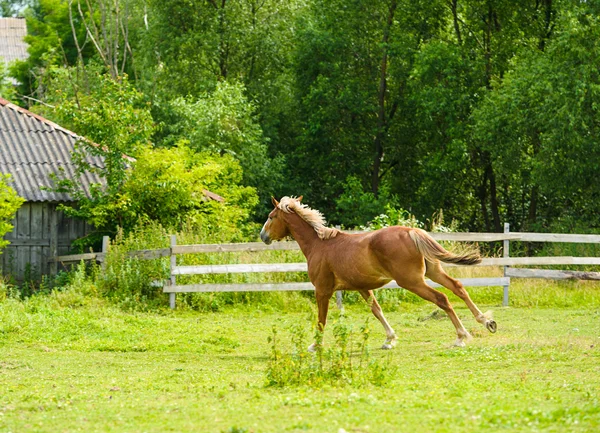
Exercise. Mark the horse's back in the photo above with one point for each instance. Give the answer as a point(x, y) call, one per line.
point(371, 259)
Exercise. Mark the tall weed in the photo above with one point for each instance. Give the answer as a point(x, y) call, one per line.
point(346, 362)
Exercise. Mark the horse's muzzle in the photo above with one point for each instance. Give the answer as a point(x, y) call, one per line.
point(265, 237)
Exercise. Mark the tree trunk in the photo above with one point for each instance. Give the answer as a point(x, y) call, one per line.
point(494, 197)
point(381, 118)
point(483, 201)
point(454, 6)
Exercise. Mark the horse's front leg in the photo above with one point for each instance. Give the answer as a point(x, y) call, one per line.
point(391, 338)
point(323, 297)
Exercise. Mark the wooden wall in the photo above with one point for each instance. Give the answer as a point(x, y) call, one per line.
point(40, 232)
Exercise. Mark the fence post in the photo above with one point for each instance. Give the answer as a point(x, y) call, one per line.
point(173, 278)
point(105, 245)
point(338, 294)
point(338, 300)
point(506, 252)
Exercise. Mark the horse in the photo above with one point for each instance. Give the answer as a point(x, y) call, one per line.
point(367, 261)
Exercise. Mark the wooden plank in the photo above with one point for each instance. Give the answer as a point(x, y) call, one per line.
point(72, 229)
point(558, 237)
point(63, 226)
point(258, 287)
point(474, 237)
point(239, 268)
point(53, 237)
point(150, 254)
point(46, 238)
point(552, 274)
point(37, 231)
point(284, 287)
point(526, 261)
point(516, 236)
point(226, 248)
point(467, 282)
point(74, 257)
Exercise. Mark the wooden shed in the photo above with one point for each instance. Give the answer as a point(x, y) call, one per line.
point(31, 149)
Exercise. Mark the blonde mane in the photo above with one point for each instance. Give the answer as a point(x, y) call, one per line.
point(312, 216)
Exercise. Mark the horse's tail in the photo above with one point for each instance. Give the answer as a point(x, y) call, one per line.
point(432, 251)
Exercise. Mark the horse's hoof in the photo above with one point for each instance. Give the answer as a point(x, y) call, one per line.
point(491, 326)
point(387, 346)
point(459, 343)
point(312, 348)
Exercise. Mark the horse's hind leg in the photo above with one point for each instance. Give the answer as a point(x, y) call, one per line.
point(437, 274)
point(390, 340)
point(441, 300)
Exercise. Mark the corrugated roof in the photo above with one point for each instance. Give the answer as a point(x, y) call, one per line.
point(32, 148)
point(12, 46)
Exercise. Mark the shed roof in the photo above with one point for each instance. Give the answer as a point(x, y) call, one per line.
point(12, 46)
point(32, 148)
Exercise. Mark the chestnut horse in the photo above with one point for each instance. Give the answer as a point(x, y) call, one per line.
point(367, 261)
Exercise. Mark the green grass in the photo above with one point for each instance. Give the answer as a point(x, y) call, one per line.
point(74, 362)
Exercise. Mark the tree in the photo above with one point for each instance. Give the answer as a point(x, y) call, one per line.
point(224, 122)
point(51, 43)
point(10, 8)
point(353, 62)
point(541, 127)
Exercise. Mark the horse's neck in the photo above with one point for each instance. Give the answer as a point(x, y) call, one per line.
point(303, 233)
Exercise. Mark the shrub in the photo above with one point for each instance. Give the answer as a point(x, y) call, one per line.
point(9, 204)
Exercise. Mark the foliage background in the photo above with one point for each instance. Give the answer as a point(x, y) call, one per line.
point(487, 110)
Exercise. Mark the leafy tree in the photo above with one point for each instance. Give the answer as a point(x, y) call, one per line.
point(50, 44)
point(9, 204)
point(443, 88)
point(352, 65)
point(224, 122)
point(10, 8)
point(355, 206)
point(541, 126)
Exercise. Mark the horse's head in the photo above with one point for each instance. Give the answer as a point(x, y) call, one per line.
point(276, 227)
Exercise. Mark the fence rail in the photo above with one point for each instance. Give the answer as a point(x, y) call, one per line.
point(172, 288)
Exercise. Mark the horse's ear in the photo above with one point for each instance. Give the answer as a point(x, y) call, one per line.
point(300, 199)
point(274, 201)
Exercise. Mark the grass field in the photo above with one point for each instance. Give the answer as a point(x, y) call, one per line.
point(74, 362)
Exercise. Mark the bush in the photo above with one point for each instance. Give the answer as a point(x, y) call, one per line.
point(356, 206)
point(10, 202)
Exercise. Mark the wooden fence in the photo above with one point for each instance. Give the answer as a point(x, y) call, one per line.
point(172, 288)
